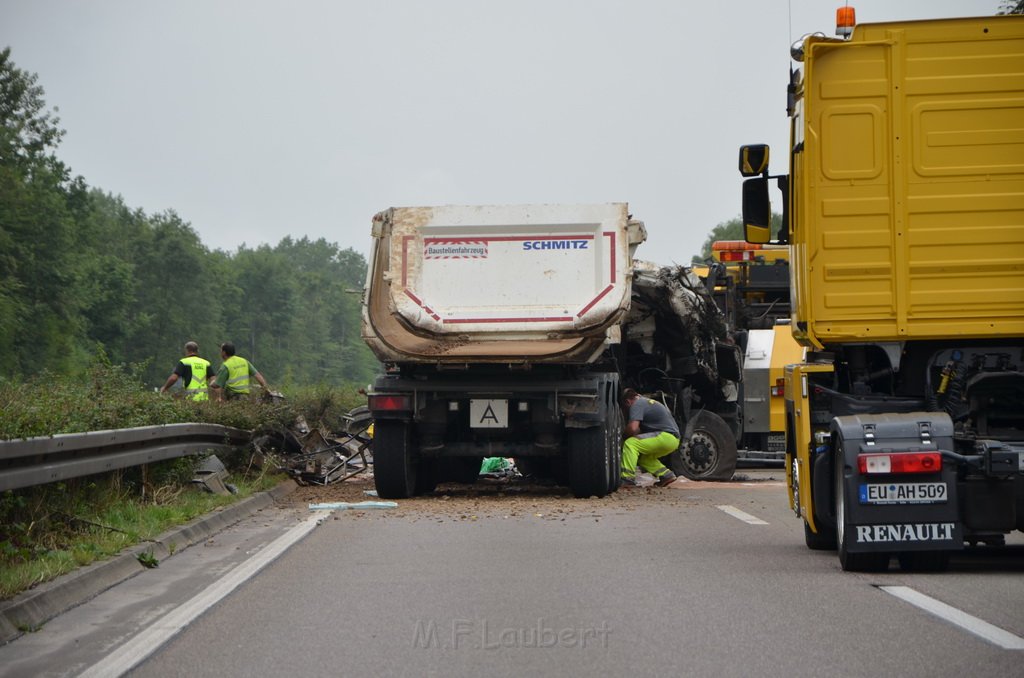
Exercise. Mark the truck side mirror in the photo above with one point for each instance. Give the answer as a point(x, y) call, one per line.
point(754, 160)
point(757, 211)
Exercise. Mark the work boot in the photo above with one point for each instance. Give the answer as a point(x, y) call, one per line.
point(667, 479)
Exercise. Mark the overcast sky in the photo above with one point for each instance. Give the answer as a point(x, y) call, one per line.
point(255, 119)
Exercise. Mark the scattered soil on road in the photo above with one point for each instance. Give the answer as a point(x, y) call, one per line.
point(509, 498)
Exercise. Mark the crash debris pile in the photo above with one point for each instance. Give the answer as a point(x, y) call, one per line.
point(315, 456)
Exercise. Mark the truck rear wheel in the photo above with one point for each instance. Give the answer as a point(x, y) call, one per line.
point(710, 453)
point(394, 468)
point(852, 562)
point(822, 540)
point(589, 461)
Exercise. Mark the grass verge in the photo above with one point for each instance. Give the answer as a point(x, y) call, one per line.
point(49, 530)
point(53, 529)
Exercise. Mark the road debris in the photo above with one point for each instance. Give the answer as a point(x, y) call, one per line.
point(499, 467)
point(344, 505)
point(315, 456)
point(211, 476)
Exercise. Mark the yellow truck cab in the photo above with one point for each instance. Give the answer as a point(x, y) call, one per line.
point(904, 219)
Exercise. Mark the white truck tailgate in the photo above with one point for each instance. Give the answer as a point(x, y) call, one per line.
point(487, 269)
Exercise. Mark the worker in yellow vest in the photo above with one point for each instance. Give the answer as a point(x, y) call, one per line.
point(194, 373)
point(234, 375)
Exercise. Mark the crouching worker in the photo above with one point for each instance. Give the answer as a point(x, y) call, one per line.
point(651, 432)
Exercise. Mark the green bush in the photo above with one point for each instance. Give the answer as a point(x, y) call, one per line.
point(113, 397)
point(50, 529)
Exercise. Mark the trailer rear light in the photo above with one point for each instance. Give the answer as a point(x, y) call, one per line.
point(903, 462)
point(390, 403)
point(779, 389)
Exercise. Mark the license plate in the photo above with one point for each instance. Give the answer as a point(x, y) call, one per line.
point(903, 493)
point(488, 413)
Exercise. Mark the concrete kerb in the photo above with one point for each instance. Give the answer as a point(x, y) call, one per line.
point(31, 609)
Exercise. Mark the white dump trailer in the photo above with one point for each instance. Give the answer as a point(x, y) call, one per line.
point(490, 321)
point(503, 331)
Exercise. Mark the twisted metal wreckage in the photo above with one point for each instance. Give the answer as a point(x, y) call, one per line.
point(313, 457)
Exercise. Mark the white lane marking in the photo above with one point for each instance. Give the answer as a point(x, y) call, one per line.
point(745, 517)
point(971, 624)
point(131, 654)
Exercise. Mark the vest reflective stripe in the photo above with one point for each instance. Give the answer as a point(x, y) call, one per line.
point(196, 388)
point(238, 374)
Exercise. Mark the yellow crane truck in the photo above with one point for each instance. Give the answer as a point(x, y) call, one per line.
point(750, 283)
point(904, 214)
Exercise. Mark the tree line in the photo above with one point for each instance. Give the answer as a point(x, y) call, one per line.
point(83, 275)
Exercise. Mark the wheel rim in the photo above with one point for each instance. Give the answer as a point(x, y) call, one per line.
point(701, 452)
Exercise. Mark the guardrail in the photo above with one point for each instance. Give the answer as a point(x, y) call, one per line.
point(36, 461)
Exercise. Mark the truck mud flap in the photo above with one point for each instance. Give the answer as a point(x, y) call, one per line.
point(895, 512)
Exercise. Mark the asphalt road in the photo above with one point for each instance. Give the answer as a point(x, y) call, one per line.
point(700, 579)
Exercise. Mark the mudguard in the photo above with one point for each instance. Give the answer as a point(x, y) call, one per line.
point(902, 525)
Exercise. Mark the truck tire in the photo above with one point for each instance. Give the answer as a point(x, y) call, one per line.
point(588, 461)
point(710, 453)
point(822, 503)
point(394, 468)
point(852, 562)
point(823, 540)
